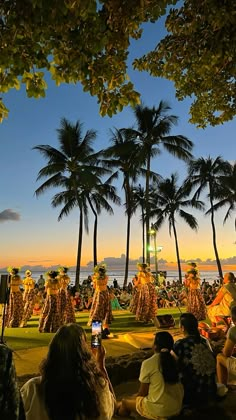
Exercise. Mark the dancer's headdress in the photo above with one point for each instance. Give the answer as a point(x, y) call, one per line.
point(28, 273)
point(52, 273)
point(100, 269)
point(13, 270)
point(63, 268)
point(144, 266)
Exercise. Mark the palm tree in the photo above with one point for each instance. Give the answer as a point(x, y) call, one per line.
point(122, 157)
point(74, 166)
point(207, 173)
point(152, 134)
point(227, 193)
point(98, 199)
point(169, 201)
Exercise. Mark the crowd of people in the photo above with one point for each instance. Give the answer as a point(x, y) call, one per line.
point(50, 299)
point(55, 300)
point(73, 382)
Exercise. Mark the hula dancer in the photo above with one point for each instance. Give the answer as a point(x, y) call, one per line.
point(101, 306)
point(15, 304)
point(50, 318)
point(135, 294)
point(67, 312)
point(196, 304)
point(147, 299)
point(28, 298)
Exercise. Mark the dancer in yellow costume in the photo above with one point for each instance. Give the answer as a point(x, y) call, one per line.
point(50, 318)
point(28, 298)
point(66, 309)
point(15, 304)
point(101, 306)
point(146, 308)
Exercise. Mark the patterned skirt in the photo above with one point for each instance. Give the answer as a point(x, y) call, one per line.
point(69, 312)
point(196, 304)
point(62, 304)
point(29, 299)
point(14, 310)
point(147, 303)
point(101, 307)
point(50, 318)
point(134, 301)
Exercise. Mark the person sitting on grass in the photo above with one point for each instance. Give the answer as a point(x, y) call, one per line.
point(196, 364)
point(160, 393)
point(225, 299)
point(73, 384)
point(226, 363)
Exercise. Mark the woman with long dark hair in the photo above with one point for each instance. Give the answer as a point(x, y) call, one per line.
point(73, 385)
point(196, 363)
point(160, 393)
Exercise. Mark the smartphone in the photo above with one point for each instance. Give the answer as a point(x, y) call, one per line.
point(96, 338)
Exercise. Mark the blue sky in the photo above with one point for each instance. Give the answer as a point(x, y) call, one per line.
point(37, 237)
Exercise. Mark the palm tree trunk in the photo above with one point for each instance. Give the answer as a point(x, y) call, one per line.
point(127, 250)
point(147, 211)
point(95, 229)
point(128, 210)
point(214, 240)
point(143, 233)
point(77, 273)
point(177, 251)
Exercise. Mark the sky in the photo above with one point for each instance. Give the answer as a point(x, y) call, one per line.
point(29, 231)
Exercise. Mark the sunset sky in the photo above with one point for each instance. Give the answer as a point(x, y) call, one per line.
point(36, 237)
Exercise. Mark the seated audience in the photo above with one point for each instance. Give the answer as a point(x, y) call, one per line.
point(225, 299)
point(73, 384)
point(160, 393)
point(114, 301)
point(226, 363)
point(124, 299)
point(196, 363)
point(11, 407)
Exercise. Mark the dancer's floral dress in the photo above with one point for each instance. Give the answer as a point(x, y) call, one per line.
point(50, 319)
point(66, 308)
point(196, 304)
point(28, 299)
point(15, 303)
point(146, 300)
point(101, 306)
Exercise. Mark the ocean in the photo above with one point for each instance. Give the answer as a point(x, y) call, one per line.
point(209, 276)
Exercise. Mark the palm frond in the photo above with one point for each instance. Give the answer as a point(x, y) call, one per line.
point(189, 219)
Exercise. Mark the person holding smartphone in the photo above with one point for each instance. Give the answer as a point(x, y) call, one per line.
point(74, 383)
point(101, 306)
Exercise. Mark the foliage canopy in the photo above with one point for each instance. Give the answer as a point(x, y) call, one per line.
point(88, 42)
point(76, 41)
point(199, 56)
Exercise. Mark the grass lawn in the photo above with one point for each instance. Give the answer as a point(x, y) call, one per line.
point(29, 337)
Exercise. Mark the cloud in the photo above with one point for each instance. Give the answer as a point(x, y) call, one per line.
point(9, 214)
point(39, 261)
